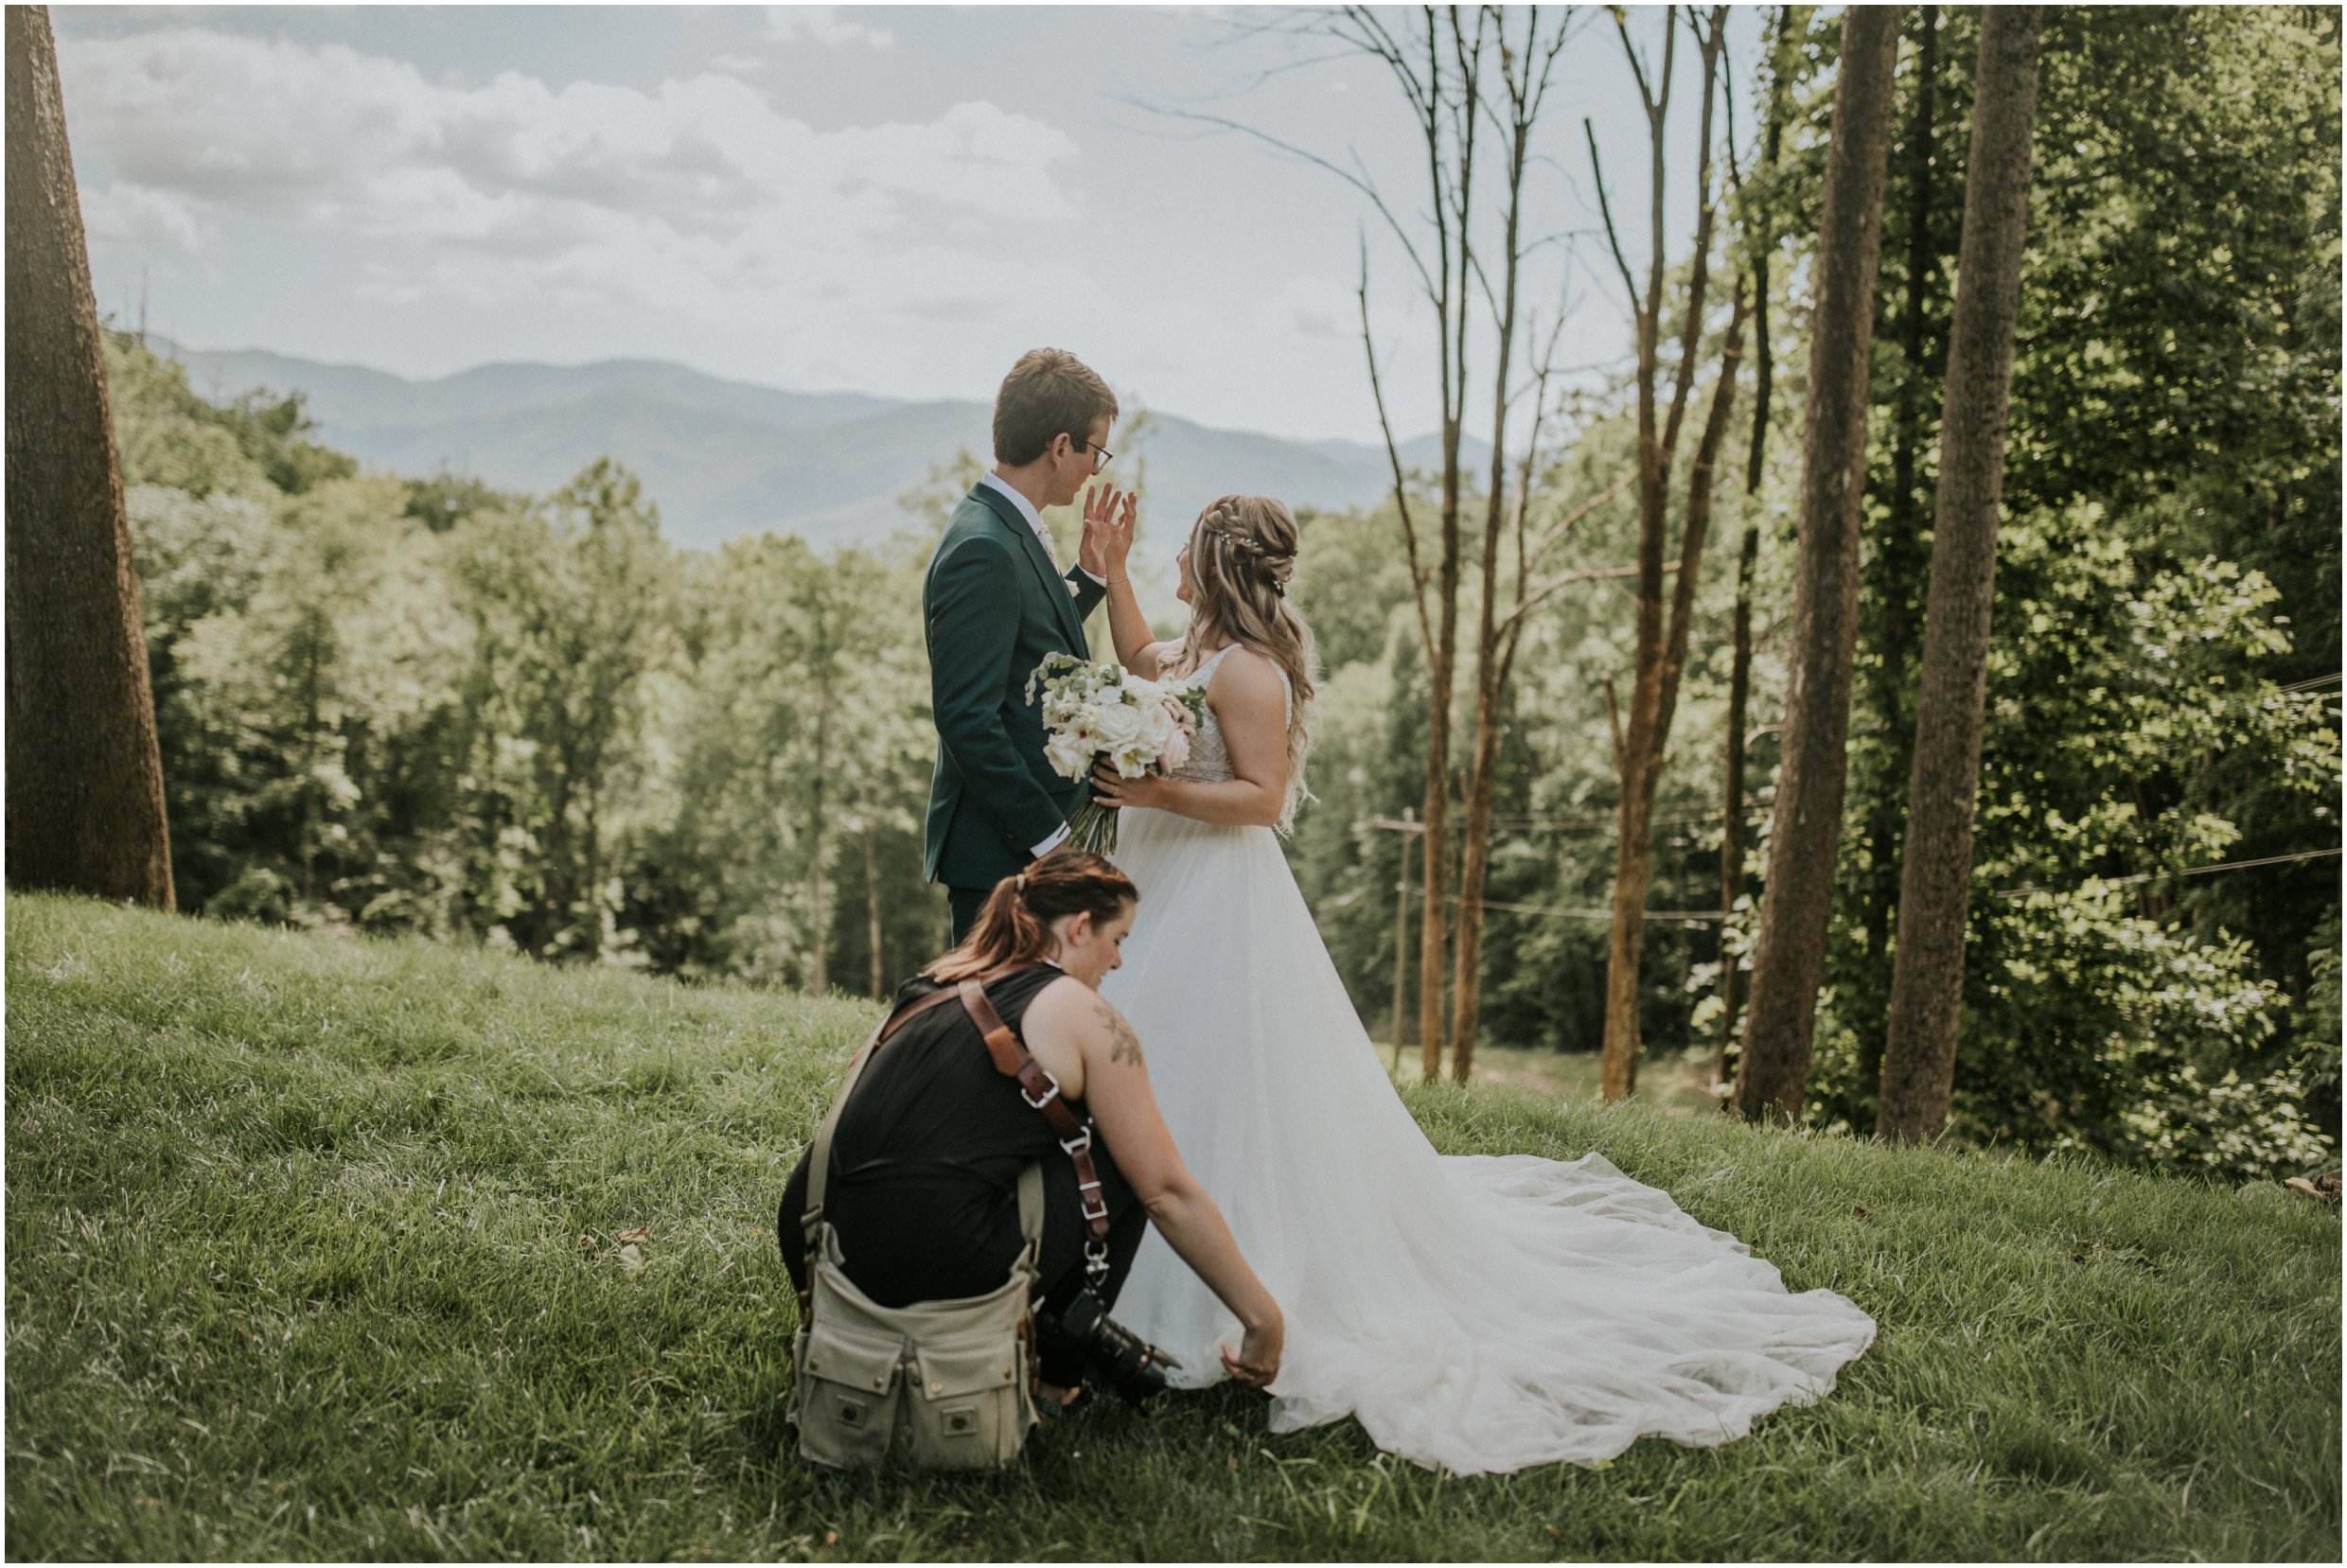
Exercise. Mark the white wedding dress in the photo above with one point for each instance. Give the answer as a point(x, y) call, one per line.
point(1476, 1313)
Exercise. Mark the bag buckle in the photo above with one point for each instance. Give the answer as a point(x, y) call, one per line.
point(1049, 1095)
point(1082, 1142)
point(1095, 1259)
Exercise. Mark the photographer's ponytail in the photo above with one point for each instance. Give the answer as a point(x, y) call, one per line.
point(1013, 924)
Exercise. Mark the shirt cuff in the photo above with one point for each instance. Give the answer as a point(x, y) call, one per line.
point(1094, 575)
point(1052, 843)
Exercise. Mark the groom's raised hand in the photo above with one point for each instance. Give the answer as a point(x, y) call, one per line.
point(1108, 518)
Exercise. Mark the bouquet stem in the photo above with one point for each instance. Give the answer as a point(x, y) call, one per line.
point(1094, 828)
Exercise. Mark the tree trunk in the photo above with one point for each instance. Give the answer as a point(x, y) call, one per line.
point(1654, 686)
point(1906, 513)
point(1474, 866)
point(85, 809)
point(872, 911)
point(1791, 958)
point(818, 951)
point(1435, 804)
point(1747, 564)
point(1732, 792)
point(1437, 104)
point(1927, 985)
point(556, 881)
point(1634, 853)
point(1649, 730)
point(1475, 859)
point(591, 862)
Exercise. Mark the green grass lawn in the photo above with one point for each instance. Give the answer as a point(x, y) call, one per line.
point(315, 1249)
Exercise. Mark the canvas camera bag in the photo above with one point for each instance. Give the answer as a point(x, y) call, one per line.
point(948, 1382)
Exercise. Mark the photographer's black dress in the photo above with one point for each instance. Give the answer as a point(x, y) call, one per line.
point(925, 1167)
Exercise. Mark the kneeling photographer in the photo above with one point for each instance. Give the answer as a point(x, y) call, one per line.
point(931, 1141)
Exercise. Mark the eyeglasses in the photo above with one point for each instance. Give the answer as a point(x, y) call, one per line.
point(1099, 454)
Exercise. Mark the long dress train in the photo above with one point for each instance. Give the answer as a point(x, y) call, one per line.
point(1476, 1313)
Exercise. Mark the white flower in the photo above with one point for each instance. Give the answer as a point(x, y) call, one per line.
point(1069, 754)
point(1119, 725)
point(1096, 713)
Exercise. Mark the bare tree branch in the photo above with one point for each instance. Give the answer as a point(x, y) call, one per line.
point(1613, 719)
point(1393, 455)
point(1638, 67)
point(1630, 284)
point(1707, 207)
point(1357, 181)
point(1564, 525)
point(1557, 585)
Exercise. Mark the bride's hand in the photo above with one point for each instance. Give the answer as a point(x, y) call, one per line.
point(1108, 520)
point(1111, 788)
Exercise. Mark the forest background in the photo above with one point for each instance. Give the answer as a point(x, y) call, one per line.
point(415, 704)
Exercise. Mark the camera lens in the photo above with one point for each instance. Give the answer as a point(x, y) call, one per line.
point(1130, 1364)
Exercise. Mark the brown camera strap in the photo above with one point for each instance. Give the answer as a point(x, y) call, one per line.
point(1013, 1060)
point(1041, 1090)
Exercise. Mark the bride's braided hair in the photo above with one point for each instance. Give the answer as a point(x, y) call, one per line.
point(1271, 560)
point(1242, 552)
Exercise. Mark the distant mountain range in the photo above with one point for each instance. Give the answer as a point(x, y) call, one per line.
point(723, 458)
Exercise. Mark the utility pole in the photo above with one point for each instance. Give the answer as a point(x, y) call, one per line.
point(1408, 824)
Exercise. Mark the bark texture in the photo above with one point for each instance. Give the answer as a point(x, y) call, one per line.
point(1926, 984)
point(1789, 962)
point(1747, 563)
point(84, 794)
point(1904, 523)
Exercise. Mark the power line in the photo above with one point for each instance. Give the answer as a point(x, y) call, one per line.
point(2185, 870)
point(1564, 912)
point(1580, 824)
point(1587, 914)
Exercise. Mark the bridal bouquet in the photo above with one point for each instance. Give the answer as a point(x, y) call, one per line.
point(1094, 713)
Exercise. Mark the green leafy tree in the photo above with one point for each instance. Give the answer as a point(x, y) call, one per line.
point(570, 606)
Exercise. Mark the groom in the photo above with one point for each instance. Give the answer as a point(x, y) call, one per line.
point(996, 602)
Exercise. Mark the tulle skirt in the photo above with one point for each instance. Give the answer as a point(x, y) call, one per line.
point(1476, 1313)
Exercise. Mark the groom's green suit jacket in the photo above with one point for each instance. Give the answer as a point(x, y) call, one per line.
point(991, 608)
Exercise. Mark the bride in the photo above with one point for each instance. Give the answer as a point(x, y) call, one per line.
point(1474, 1313)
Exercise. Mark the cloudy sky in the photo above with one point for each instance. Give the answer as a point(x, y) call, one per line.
point(892, 200)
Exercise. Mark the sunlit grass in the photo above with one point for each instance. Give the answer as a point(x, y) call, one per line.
point(315, 1251)
point(1667, 1081)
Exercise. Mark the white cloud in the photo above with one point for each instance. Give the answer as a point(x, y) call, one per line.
point(341, 204)
point(189, 124)
point(136, 217)
point(822, 25)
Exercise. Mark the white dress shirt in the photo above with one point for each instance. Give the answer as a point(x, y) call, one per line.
point(1034, 520)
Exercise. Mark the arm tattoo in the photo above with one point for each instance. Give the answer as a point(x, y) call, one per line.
point(1124, 1045)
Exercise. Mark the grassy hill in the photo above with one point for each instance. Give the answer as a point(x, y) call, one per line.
point(327, 1249)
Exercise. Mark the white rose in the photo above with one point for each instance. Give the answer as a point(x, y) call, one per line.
point(1070, 755)
point(1119, 725)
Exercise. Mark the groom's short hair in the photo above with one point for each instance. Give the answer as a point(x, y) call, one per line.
point(1047, 394)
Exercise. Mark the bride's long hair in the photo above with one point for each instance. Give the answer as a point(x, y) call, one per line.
point(1241, 553)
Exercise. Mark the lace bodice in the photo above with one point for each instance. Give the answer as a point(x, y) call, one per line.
point(1210, 759)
